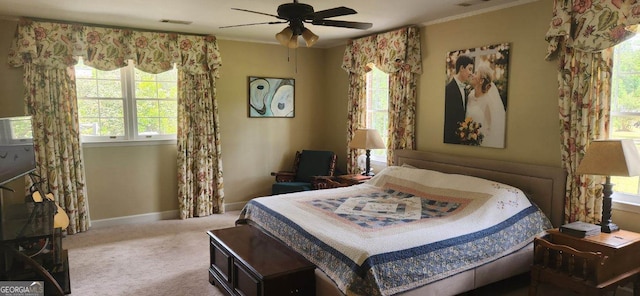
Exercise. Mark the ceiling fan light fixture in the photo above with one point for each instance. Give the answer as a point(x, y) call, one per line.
point(309, 37)
point(293, 42)
point(296, 14)
point(284, 37)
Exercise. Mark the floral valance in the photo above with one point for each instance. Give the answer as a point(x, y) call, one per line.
point(390, 51)
point(592, 25)
point(58, 45)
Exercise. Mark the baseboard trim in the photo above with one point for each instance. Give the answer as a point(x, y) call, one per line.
point(142, 218)
point(153, 217)
point(234, 206)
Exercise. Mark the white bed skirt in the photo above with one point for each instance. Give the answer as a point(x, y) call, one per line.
point(505, 267)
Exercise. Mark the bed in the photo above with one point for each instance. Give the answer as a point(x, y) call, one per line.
point(434, 224)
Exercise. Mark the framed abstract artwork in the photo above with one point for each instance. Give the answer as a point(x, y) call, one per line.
point(271, 97)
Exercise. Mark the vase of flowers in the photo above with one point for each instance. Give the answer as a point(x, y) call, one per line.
point(469, 132)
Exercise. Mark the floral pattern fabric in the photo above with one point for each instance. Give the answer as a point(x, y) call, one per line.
point(58, 45)
point(50, 97)
point(200, 186)
point(397, 53)
point(582, 34)
point(584, 117)
point(591, 25)
point(48, 50)
point(357, 112)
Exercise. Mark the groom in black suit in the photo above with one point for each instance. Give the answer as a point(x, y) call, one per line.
point(456, 99)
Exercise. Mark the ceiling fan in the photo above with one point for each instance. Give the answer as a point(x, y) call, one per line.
point(297, 14)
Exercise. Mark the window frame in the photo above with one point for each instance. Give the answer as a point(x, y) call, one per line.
point(623, 201)
point(382, 159)
point(129, 112)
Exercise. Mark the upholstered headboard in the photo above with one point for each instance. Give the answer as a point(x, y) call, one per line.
point(544, 185)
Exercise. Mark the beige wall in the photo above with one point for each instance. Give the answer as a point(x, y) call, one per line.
point(254, 147)
point(532, 116)
point(134, 180)
point(131, 180)
point(11, 88)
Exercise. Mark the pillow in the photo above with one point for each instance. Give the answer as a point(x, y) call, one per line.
point(435, 179)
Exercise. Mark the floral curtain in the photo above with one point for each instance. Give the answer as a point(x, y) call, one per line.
point(51, 101)
point(359, 54)
point(584, 117)
point(404, 69)
point(42, 47)
point(397, 53)
point(199, 167)
point(582, 34)
point(200, 186)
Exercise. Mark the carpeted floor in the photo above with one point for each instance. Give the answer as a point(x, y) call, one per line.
point(168, 257)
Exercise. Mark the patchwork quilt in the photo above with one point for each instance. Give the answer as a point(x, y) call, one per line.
point(402, 229)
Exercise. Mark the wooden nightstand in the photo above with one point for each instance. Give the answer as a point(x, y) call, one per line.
point(339, 181)
point(352, 179)
point(621, 265)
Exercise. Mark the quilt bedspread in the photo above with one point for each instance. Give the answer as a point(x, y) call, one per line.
point(403, 229)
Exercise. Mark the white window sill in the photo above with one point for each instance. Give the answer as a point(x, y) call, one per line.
point(378, 162)
point(625, 202)
point(117, 143)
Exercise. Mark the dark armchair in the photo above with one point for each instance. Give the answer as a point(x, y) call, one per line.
point(308, 167)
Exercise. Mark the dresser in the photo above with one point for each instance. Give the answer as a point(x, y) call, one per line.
point(245, 261)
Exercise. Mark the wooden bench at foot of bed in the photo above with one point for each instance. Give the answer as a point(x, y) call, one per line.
point(245, 261)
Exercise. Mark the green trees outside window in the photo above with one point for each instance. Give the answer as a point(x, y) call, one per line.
point(625, 103)
point(378, 108)
point(126, 104)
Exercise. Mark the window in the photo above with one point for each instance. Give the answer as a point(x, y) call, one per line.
point(126, 104)
point(19, 130)
point(625, 104)
point(378, 108)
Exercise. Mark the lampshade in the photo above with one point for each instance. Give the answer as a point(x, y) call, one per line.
point(367, 139)
point(309, 37)
point(284, 36)
point(610, 158)
point(293, 42)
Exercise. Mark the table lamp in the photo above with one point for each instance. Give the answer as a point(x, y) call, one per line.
point(367, 139)
point(610, 158)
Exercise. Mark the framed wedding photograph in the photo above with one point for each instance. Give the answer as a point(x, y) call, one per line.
point(271, 97)
point(476, 96)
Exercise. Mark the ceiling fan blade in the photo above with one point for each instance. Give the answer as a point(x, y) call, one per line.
point(342, 24)
point(265, 23)
point(246, 10)
point(333, 12)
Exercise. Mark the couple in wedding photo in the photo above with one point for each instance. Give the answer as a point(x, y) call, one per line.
point(474, 110)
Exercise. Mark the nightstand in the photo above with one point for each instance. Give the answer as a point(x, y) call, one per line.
point(352, 179)
point(324, 182)
point(620, 264)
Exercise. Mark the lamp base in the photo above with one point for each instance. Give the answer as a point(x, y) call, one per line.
point(609, 227)
point(606, 225)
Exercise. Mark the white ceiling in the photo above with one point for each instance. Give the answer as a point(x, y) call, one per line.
point(208, 15)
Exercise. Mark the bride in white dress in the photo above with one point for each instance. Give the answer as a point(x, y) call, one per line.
point(485, 106)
